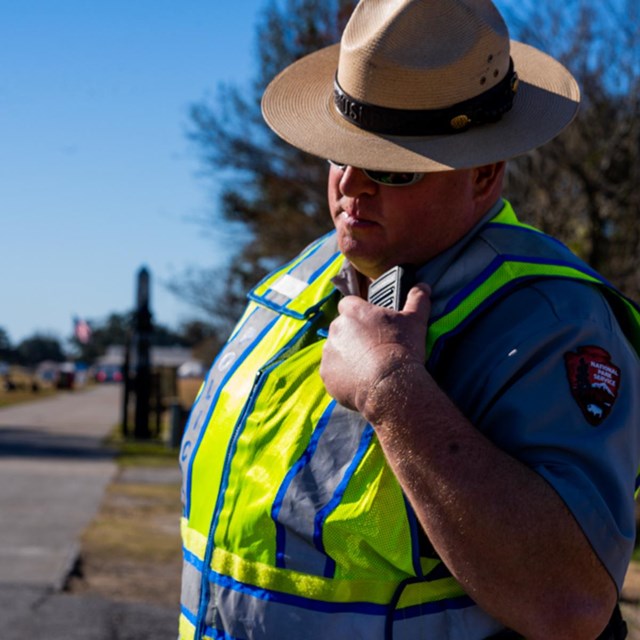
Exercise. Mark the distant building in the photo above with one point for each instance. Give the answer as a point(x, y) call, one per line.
point(170, 357)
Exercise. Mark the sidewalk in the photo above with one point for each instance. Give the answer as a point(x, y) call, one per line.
point(54, 471)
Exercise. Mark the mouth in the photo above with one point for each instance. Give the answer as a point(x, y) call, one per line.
point(355, 220)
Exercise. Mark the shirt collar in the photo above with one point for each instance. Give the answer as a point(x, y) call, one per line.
point(347, 282)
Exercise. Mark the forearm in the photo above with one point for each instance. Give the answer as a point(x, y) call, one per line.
point(500, 528)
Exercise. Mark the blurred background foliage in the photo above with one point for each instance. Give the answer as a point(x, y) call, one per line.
point(269, 199)
point(583, 187)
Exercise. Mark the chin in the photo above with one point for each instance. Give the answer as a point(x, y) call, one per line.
point(364, 257)
point(367, 268)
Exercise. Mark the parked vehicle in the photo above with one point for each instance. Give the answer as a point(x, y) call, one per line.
point(108, 373)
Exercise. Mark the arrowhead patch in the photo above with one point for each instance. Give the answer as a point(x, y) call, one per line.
point(594, 381)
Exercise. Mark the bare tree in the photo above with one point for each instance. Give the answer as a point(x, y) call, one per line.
point(273, 196)
point(584, 186)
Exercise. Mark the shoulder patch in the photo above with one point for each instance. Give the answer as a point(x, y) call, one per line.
point(594, 381)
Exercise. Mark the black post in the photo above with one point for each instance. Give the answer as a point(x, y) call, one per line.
point(143, 362)
point(126, 391)
point(157, 398)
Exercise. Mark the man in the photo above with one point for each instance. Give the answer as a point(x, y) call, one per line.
point(334, 485)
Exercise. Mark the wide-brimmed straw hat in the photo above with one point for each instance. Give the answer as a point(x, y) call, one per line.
point(422, 85)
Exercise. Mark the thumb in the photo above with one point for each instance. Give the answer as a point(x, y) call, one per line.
point(419, 302)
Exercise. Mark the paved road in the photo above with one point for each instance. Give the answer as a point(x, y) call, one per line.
point(53, 472)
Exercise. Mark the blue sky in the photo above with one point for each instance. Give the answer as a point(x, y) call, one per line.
point(97, 177)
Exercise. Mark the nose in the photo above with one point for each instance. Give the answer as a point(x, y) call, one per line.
point(354, 182)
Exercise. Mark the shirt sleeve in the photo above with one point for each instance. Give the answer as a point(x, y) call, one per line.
point(549, 377)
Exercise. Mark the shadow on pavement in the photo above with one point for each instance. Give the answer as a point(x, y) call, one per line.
point(33, 442)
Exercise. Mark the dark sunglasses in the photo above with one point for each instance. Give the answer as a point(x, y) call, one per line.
point(386, 178)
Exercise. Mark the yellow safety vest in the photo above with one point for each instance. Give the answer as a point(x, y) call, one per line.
point(294, 525)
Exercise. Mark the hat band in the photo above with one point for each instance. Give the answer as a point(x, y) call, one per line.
point(487, 107)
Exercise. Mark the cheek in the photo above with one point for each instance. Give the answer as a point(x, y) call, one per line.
point(333, 183)
point(332, 198)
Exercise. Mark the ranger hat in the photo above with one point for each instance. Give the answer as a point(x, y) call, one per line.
point(422, 85)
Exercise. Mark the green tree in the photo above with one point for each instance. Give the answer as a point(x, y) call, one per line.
point(7, 352)
point(273, 196)
point(39, 347)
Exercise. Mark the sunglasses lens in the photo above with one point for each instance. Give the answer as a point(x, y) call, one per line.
point(388, 178)
point(393, 178)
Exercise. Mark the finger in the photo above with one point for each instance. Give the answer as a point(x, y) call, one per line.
point(419, 301)
point(347, 303)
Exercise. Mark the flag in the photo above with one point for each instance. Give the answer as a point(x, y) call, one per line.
point(81, 330)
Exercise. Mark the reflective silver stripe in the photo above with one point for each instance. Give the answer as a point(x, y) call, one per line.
point(242, 342)
point(466, 623)
point(245, 612)
point(326, 249)
point(265, 616)
point(498, 239)
point(191, 580)
point(242, 616)
point(310, 488)
point(524, 241)
point(307, 268)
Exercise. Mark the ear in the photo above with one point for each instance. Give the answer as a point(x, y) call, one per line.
point(488, 181)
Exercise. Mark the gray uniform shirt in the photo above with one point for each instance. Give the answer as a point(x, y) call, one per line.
point(510, 373)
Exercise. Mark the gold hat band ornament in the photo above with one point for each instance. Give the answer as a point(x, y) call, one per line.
point(460, 123)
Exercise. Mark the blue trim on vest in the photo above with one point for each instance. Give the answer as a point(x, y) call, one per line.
point(302, 461)
point(415, 544)
point(323, 514)
point(192, 559)
point(282, 308)
point(189, 615)
point(214, 402)
point(416, 611)
point(320, 270)
point(299, 259)
point(461, 602)
point(439, 572)
point(551, 239)
point(499, 261)
point(260, 593)
point(215, 634)
point(408, 613)
point(487, 302)
point(231, 448)
point(518, 227)
point(275, 307)
point(209, 632)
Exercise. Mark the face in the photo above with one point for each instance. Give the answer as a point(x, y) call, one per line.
point(379, 226)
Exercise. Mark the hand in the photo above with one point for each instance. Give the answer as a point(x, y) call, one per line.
point(368, 344)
